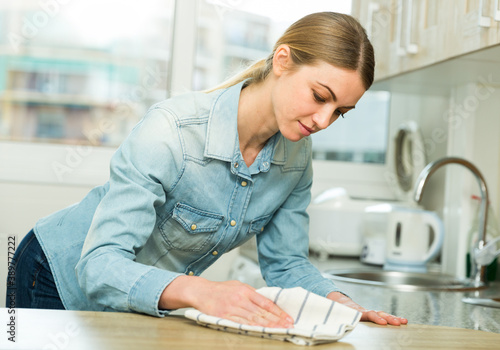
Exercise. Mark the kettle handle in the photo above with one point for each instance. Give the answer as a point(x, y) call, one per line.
point(433, 220)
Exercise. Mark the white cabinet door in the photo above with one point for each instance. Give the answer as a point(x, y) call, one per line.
point(411, 34)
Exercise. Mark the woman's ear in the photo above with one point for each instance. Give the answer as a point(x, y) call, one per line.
point(282, 59)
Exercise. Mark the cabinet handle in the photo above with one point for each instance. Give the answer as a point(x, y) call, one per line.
point(411, 48)
point(372, 8)
point(497, 11)
point(485, 21)
point(401, 46)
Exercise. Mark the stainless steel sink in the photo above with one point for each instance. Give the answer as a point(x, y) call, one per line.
point(405, 281)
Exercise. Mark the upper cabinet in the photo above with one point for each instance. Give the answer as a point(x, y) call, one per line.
point(411, 34)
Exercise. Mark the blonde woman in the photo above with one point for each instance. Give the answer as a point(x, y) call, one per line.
point(198, 176)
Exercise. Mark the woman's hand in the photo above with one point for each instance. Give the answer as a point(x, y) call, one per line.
point(378, 317)
point(231, 300)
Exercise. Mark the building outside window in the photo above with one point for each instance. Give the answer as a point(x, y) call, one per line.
point(85, 72)
point(233, 34)
point(81, 71)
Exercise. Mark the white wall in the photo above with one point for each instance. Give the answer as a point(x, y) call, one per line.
point(474, 135)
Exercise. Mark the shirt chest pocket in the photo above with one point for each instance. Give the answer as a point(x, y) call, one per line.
point(189, 229)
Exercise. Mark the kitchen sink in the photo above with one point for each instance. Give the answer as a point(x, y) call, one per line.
point(404, 281)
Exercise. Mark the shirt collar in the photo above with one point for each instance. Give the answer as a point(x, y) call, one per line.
point(222, 133)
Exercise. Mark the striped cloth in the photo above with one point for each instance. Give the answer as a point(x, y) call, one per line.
point(317, 320)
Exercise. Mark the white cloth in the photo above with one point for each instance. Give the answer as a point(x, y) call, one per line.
point(317, 320)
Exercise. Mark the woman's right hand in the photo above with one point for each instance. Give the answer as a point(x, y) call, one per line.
point(230, 300)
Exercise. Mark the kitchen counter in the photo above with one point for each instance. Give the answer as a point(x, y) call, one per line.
point(436, 308)
point(61, 329)
point(439, 308)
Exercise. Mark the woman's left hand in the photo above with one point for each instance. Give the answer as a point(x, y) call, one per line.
point(378, 317)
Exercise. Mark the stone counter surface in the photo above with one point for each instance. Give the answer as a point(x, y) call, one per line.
point(431, 307)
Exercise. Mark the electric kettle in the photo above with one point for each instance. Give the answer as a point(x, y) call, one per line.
point(414, 237)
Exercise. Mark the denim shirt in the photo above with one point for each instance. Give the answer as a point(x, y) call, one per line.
point(178, 197)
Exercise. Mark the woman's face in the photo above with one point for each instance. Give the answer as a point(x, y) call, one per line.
point(311, 97)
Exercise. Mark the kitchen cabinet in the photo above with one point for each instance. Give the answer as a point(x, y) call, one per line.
point(411, 34)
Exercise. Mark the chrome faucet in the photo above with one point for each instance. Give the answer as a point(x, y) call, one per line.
point(478, 271)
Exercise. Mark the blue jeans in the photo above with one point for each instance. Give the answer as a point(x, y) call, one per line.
point(30, 283)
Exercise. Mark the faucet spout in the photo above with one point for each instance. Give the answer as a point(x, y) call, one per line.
point(478, 274)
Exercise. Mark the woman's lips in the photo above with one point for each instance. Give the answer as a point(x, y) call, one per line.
point(305, 130)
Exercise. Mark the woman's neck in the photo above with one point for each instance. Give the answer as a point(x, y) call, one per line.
point(256, 120)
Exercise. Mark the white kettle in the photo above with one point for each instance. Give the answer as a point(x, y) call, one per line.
point(414, 237)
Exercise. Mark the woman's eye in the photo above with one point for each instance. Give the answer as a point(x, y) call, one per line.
point(339, 113)
point(318, 97)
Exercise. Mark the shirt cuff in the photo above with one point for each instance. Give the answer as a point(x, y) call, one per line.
point(325, 287)
point(146, 292)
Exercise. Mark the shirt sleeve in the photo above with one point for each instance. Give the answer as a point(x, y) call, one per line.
point(147, 164)
point(283, 248)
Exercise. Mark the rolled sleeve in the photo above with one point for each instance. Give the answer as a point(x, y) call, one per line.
point(126, 216)
point(145, 294)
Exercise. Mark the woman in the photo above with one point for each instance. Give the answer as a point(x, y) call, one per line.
point(199, 175)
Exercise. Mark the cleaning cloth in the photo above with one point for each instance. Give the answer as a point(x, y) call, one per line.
point(317, 320)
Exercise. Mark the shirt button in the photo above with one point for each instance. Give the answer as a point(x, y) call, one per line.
point(214, 253)
point(193, 227)
point(233, 223)
point(265, 164)
point(191, 273)
point(243, 183)
point(261, 229)
point(236, 165)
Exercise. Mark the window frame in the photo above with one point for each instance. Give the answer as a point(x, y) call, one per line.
point(72, 165)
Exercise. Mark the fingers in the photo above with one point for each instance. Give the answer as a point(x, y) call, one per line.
point(265, 311)
point(383, 318)
point(392, 320)
point(241, 303)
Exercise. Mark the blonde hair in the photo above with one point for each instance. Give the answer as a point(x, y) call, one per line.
point(335, 38)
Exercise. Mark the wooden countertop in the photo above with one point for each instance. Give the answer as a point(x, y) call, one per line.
point(54, 329)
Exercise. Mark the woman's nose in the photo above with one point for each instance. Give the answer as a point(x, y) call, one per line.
point(322, 118)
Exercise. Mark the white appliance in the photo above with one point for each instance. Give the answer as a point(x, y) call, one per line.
point(336, 219)
point(408, 160)
point(335, 223)
point(400, 237)
point(374, 234)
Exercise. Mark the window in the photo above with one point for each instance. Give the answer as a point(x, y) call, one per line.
point(81, 72)
point(361, 136)
point(232, 34)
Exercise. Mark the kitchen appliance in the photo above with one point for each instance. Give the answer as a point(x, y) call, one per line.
point(335, 223)
point(409, 159)
point(336, 219)
point(401, 238)
point(374, 233)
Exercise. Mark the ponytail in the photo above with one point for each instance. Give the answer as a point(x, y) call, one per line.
point(256, 73)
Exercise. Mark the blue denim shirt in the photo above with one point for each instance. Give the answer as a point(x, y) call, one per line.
point(178, 197)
